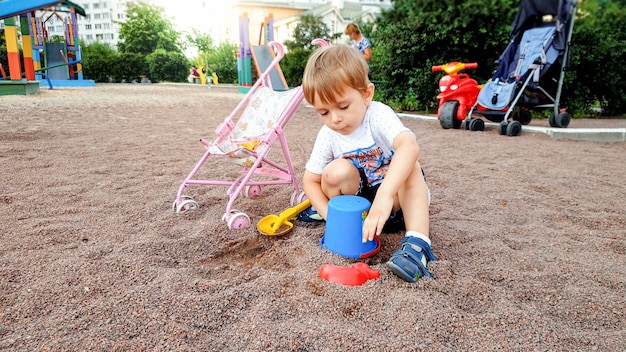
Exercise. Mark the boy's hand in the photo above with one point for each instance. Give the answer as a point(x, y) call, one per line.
point(378, 214)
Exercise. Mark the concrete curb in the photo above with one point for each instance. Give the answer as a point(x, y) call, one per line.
point(580, 134)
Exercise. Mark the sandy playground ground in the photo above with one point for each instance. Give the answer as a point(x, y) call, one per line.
point(530, 233)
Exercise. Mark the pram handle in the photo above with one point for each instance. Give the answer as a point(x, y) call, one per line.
point(452, 68)
point(319, 41)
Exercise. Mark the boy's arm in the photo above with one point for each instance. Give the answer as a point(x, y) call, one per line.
point(406, 153)
point(312, 186)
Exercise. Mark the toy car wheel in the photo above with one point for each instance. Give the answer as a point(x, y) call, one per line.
point(238, 221)
point(514, 129)
point(186, 205)
point(562, 119)
point(477, 125)
point(447, 115)
point(252, 191)
point(502, 127)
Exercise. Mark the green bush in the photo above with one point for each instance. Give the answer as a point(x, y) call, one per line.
point(596, 77)
point(293, 65)
point(98, 59)
point(129, 67)
point(167, 66)
point(415, 35)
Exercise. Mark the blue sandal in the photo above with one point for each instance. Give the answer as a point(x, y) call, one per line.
point(310, 215)
point(406, 262)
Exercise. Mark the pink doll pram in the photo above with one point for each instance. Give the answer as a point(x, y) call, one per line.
point(246, 137)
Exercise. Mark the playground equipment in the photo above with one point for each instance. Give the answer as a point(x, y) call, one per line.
point(207, 79)
point(260, 55)
point(458, 93)
point(61, 61)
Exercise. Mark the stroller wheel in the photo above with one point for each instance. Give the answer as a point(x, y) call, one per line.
point(502, 127)
point(552, 120)
point(514, 129)
point(524, 116)
point(188, 204)
point(447, 115)
point(561, 120)
point(238, 220)
point(297, 198)
point(252, 191)
point(477, 125)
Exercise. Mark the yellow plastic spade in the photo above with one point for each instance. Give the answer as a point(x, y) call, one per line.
point(278, 225)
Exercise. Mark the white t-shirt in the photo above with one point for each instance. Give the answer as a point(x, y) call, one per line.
point(369, 147)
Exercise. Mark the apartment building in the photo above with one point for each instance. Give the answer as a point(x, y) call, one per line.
point(102, 21)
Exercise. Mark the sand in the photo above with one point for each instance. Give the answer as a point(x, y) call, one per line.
point(530, 233)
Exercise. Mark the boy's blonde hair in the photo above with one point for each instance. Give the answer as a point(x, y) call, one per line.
point(330, 70)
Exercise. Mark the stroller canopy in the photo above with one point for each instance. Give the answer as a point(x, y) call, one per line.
point(531, 12)
point(531, 15)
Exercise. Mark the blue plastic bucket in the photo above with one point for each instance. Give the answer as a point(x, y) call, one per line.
point(344, 228)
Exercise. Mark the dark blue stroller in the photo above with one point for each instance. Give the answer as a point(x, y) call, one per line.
point(531, 70)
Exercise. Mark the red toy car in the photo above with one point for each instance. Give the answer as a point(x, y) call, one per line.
point(457, 95)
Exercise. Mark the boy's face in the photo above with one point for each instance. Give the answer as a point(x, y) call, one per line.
point(347, 112)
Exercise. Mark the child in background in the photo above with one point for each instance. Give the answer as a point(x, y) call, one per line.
point(193, 75)
point(364, 149)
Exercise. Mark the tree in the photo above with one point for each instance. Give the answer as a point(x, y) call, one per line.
point(223, 61)
point(202, 41)
point(310, 27)
point(146, 30)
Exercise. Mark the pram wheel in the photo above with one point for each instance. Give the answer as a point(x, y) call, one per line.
point(252, 191)
point(476, 125)
point(514, 128)
point(523, 115)
point(502, 127)
point(297, 198)
point(237, 220)
point(187, 204)
point(561, 120)
point(447, 115)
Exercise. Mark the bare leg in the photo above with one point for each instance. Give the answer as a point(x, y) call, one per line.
point(340, 177)
point(413, 197)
